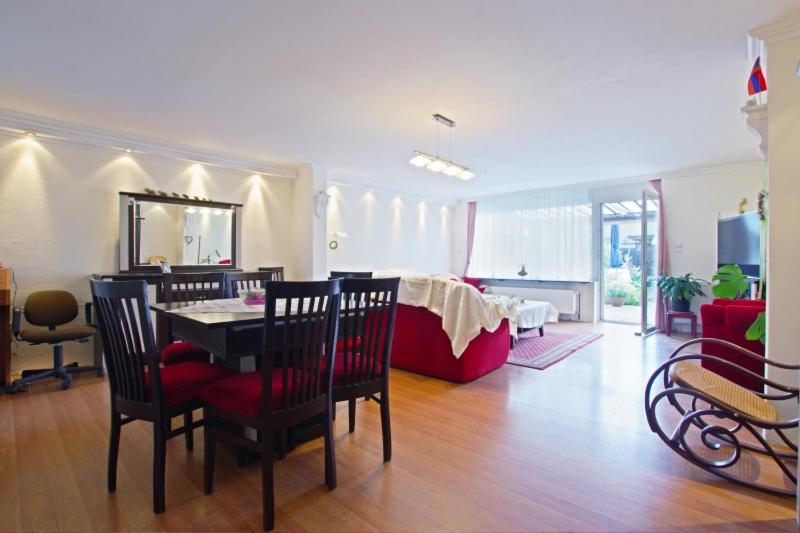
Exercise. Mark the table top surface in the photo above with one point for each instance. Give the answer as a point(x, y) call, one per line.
point(209, 320)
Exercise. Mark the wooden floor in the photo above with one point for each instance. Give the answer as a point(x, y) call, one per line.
point(563, 449)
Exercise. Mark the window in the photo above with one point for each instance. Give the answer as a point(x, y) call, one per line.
point(550, 233)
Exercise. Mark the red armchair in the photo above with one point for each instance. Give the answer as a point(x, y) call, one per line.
point(729, 320)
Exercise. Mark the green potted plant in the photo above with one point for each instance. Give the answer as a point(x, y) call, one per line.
point(680, 290)
point(617, 291)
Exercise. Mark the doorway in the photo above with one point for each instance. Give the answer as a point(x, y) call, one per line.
point(629, 230)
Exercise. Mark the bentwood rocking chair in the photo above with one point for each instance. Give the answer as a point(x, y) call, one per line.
point(721, 426)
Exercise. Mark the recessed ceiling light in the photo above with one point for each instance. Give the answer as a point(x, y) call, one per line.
point(128, 151)
point(31, 134)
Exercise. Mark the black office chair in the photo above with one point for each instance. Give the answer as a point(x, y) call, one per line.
point(49, 310)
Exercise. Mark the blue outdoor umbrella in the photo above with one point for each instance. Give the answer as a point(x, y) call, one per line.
point(615, 260)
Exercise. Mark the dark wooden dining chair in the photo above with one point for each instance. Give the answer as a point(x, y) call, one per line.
point(363, 351)
point(277, 272)
point(189, 288)
point(140, 388)
point(239, 282)
point(341, 274)
point(300, 320)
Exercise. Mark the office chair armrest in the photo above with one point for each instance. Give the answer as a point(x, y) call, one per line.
point(16, 322)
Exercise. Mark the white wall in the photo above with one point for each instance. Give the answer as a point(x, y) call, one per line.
point(387, 230)
point(59, 209)
point(692, 205)
point(783, 248)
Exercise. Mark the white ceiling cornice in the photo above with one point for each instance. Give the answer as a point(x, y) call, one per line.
point(699, 171)
point(16, 122)
point(778, 31)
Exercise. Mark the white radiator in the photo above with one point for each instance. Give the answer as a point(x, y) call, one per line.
point(566, 301)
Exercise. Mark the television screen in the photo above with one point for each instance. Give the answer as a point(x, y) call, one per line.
point(739, 242)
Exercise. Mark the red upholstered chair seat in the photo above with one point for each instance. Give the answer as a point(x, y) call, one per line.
point(241, 393)
point(338, 368)
point(351, 344)
point(182, 382)
point(183, 352)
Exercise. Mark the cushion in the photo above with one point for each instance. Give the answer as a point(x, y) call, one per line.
point(66, 333)
point(182, 382)
point(338, 369)
point(352, 343)
point(241, 393)
point(475, 282)
point(182, 352)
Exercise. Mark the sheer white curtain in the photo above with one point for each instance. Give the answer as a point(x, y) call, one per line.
point(549, 232)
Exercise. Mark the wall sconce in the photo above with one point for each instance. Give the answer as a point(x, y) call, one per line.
point(334, 244)
point(321, 202)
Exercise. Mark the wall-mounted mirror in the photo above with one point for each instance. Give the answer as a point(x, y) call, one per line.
point(188, 234)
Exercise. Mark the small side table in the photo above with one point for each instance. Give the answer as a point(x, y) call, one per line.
point(688, 315)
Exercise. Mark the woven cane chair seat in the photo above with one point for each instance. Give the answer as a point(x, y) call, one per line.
point(723, 391)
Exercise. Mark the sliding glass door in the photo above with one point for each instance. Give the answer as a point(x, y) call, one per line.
point(649, 252)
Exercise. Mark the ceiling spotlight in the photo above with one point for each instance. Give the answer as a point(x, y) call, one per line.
point(466, 175)
point(420, 160)
point(436, 165)
point(31, 134)
point(128, 151)
point(452, 170)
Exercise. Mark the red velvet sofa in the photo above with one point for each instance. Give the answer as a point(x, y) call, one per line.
point(421, 345)
point(729, 320)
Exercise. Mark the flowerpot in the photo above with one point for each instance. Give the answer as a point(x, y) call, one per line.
point(680, 305)
point(616, 301)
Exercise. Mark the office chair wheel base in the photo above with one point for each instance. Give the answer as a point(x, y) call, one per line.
point(67, 382)
point(14, 389)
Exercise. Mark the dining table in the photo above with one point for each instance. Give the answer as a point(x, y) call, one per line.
point(234, 333)
point(227, 328)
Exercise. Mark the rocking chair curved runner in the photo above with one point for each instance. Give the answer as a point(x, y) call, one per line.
point(725, 419)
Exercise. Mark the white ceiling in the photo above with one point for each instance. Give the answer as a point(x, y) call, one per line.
point(544, 92)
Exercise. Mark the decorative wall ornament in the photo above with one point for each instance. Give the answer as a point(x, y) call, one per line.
point(755, 116)
point(320, 202)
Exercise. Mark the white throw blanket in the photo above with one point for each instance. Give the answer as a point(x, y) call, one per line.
point(464, 310)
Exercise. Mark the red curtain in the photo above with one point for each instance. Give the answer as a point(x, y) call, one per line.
point(663, 255)
point(472, 208)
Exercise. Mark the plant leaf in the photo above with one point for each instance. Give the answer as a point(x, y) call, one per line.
point(758, 329)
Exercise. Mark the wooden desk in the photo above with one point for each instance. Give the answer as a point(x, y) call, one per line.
point(5, 326)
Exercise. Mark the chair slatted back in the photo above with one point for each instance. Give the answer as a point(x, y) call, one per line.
point(300, 327)
point(366, 328)
point(129, 346)
point(342, 274)
point(277, 272)
point(193, 288)
point(237, 283)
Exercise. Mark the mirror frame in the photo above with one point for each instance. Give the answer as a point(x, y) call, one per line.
point(126, 229)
